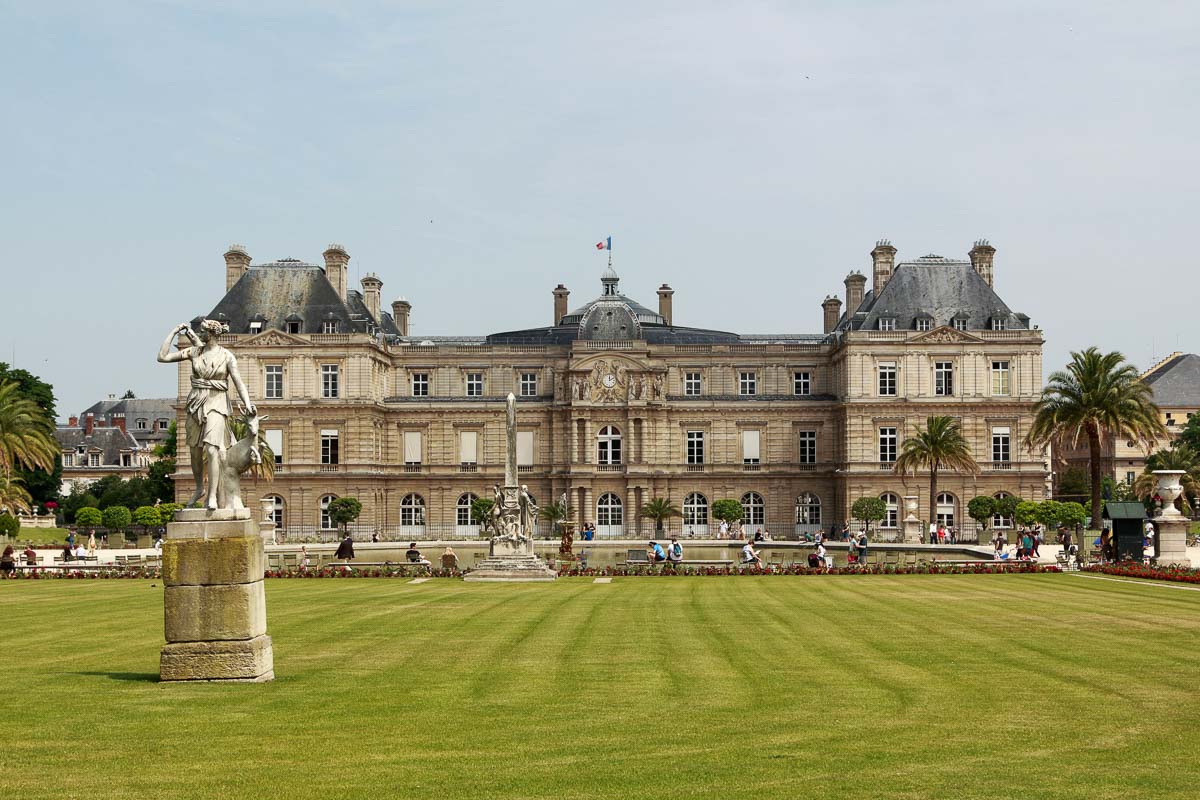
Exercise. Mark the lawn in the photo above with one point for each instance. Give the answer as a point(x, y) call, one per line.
point(1038, 686)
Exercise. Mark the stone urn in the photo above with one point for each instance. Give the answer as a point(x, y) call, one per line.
point(1169, 489)
point(910, 506)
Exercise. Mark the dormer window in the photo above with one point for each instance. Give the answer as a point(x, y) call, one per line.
point(292, 323)
point(887, 323)
point(924, 323)
point(256, 326)
point(329, 326)
point(960, 323)
point(998, 323)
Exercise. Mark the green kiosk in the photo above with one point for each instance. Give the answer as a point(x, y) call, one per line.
point(1128, 529)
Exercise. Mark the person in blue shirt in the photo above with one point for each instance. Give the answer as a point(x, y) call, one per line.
point(657, 555)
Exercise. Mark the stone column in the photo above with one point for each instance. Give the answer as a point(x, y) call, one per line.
point(215, 610)
point(1170, 526)
point(912, 525)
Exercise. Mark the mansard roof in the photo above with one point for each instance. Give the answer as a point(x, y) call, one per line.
point(933, 287)
point(111, 442)
point(1176, 381)
point(290, 289)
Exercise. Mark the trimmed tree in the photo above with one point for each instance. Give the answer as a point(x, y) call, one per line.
point(982, 509)
point(868, 510)
point(939, 444)
point(660, 510)
point(1071, 515)
point(729, 511)
point(1026, 513)
point(117, 518)
point(147, 516)
point(89, 517)
point(10, 526)
point(1007, 506)
point(167, 511)
point(344, 510)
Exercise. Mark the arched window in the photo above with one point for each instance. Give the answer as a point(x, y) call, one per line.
point(412, 511)
point(609, 514)
point(326, 521)
point(462, 511)
point(946, 507)
point(999, 521)
point(695, 509)
point(608, 444)
point(808, 509)
point(753, 509)
point(277, 510)
point(891, 510)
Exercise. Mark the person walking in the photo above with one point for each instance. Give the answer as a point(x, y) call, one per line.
point(862, 547)
point(91, 546)
point(1037, 542)
point(999, 543)
point(345, 550)
point(303, 559)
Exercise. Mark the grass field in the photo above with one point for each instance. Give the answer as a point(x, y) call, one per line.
point(1041, 686)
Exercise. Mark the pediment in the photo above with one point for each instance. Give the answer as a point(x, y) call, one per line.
point(276, 338)
point(945, 334)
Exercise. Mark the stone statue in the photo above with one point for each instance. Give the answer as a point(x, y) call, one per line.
point(529, 512)
point(213, 370)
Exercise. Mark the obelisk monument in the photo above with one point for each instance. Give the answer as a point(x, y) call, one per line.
point(512, 522)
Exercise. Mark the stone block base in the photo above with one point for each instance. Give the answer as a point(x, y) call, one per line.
point(248, 660)
point(206, 613)
point(511, 569)
point(202, 562)
point(1172, 541)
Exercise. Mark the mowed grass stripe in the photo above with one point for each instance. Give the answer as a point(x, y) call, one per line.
point(906, 686)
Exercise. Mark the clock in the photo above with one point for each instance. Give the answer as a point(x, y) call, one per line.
point(610, 380)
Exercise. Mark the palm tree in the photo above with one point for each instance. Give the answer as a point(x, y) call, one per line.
point(1181, 458)
point(1097, 395)
point(659, 510)
point(13, 496)
point(26, 434)
point(939, 444)
point(555, 513)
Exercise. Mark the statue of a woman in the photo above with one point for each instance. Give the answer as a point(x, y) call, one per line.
point(213, 369)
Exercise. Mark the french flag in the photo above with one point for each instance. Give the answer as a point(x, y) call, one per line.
point(605, 245)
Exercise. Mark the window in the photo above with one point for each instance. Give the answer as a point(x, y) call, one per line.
point(959, 323)
point(1129, 478)
point(924, 323)
point(143, 424)
point(529, 384)
point(609, 511)
point(293, 326)
point(691, 384)
point(276, 510)
point(891, 510)
point(887, 379)
point(998, 323)
point(1000, 445)
point(887, 445)
point(801, 383)
point(474, 384)
point(943, 378)
point(695, 447)
point(329, 381)
point(608, 445)
point(753, 509)
point(274, 437)
point(945, 509)
point(412, 448)
point(326, 520)
point(808, 447)
point(808, 509)
point(93, 459)
point(420, 384)
point(329, 326)
point(273, 382)
point(887, 324)
point(412, 511)
point(747, 383)
point(462, 511)
point(68, 459)
point(468, 447)
point(255, 327)
point(999, 521)
point(695, 509)
point(524, 448)
point(1000, 378)
point(750, 446)
point(329, 447)
point(126, 460)
point(164, 424)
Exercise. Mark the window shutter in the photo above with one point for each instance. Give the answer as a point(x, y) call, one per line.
point(750, 444)
point(524, 448)
point(997, 431)
point(468, 447)
point(412, 447)
point(274, 437)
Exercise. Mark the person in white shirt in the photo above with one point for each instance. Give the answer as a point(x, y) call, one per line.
point(724, 529)
point(750, 555)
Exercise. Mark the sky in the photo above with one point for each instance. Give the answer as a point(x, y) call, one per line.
point(472, 154)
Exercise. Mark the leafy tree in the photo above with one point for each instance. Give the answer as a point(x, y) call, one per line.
point(1048, 513)
point(868, 510)
point(10, 526)
point(1007, 506)
point(481, 509)
point(117, 518)
point(551, 512)
point(1190, 435)
point(982, 509)
point(659, 510)
point(1073, 482)
point(1071, 515)
point(88, 517)
point(1026, 512)
point(167, 511)
point(79, 498)
point(344, 510)
point(42, 483)
point(160, 484)
point(1097, 395)
point(939, 444)
point(148, 516)
point(729, 511)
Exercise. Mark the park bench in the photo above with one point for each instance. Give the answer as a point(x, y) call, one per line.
point(706, 562)
point(637, 558)
point(76, 559)
point(396, 565)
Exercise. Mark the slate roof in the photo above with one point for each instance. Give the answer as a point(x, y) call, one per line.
point(941, 288)
point(110, 442)
point(1176, 381)
point(275, 291)
point(134, 408)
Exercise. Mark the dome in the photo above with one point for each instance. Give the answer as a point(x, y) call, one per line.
point(612, 315)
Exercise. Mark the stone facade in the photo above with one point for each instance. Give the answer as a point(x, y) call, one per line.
point(617, 405)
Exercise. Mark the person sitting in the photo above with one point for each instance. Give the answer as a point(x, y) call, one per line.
point(449, 560)
point(815, 561)
point(8, 561)
point(758, 536)
point(656, 553)
point(68, 552)
point(675, 552)
point(31, 557)
point(413, 555)
point(751, 556)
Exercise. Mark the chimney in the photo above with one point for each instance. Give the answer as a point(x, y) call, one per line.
point(118, 421)
point(89, 422)
point(371, 286)
point(981, 259)
point(883, 258)
point(400, 309)
point(337, 262)
point(664, 302)
point(237, 261)
point(73, 422)
point(561, 293)
point(833, 312)
point(856, 286)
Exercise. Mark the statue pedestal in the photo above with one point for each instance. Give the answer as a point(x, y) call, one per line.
point(214, 604)
point(1171, 540)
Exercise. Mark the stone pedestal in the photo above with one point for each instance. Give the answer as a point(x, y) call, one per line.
point(912, 525)
point(511, 562)
point(1171, 537)
point(215, 608)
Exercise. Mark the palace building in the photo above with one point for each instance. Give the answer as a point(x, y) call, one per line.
point(618, 403)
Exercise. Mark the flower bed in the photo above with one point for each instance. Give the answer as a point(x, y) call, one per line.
point(1148, 572)
point(83, 574)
